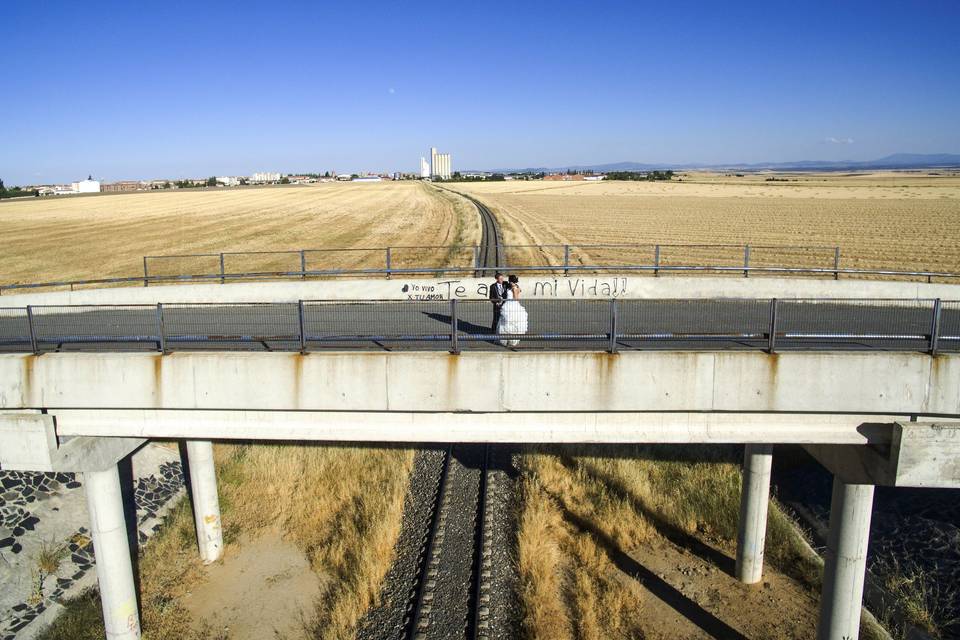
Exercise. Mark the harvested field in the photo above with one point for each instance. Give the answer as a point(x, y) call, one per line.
point(85, 237)
point(883, 221)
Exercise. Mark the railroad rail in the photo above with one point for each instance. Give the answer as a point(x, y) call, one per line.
point(446, 584)
point(452, 583)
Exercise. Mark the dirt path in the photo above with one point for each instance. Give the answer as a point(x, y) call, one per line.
point(263, 588)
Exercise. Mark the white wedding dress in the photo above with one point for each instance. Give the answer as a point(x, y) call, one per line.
point(513, 319)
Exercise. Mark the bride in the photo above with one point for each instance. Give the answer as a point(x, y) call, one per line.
point(513, 317)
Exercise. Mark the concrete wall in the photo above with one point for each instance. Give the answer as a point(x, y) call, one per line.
point(837, 382)
point(585, 287)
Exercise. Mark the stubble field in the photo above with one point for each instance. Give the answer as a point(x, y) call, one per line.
point(87, 237)
point(880, 221)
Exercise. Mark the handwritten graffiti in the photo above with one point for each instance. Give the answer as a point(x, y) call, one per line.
point(550, 288)
point(423, 292)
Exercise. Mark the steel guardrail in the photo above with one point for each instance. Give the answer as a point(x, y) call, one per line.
point(568, 265)
point(927, 325)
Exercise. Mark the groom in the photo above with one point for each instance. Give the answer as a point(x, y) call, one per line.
point(498, 294)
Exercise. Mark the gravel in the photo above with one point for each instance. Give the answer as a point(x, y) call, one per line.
point(449, 600)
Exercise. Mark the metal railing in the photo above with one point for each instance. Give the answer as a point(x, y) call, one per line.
point(770, 325)
point(463, 260)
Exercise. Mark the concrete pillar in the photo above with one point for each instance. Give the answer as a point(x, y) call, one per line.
point(121, 617)
point(206, 501)
point(752, 533)
point(846, 561)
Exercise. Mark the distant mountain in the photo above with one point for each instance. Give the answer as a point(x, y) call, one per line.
point(894, 161)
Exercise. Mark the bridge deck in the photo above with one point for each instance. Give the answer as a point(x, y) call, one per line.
point(700, 324)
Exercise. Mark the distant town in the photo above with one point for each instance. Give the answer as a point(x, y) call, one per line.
point(437, 168)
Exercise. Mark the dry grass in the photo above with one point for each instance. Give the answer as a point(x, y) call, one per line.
point(341, 505)
point(578, 503)
point(881, 221)
point(73, 238)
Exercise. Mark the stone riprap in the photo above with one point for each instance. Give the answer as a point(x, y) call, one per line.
point(45, 514)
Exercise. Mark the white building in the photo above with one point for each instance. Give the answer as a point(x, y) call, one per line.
point(265, 176)
point(86, 186)
point(229, 181)
point(424, 168)
point(439, 164)
point(368, 179)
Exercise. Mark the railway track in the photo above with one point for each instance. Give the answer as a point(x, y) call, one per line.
point(491, 242)
point(454, 574)
point(455, 569)
point(452, 594)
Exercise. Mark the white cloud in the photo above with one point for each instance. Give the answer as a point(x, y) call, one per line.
point(833, 140)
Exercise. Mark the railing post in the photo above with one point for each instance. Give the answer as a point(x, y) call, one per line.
point(223, 278)
point(476, 258)
point(454, 330)
point(300, 319)
point(656, 261)
point(772, 337)
point(303, 264)
point(746, 261)
point(836, 263)
point(33, 333)
point(612, 348)
point(388, 263)
point(161, 333)
point(935, 327)
point(146, 276)
point(566, 259)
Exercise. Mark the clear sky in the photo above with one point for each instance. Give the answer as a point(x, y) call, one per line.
point(130, 90)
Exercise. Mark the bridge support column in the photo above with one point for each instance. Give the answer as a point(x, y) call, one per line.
point(121, 617)
point(754, 498)
point(846, 561)
point(206, 501)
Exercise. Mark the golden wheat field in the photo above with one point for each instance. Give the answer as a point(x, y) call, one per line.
point(85, 237)
point(879, 221)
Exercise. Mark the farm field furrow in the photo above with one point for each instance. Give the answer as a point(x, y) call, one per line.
point(906, 223)
point(73, 238)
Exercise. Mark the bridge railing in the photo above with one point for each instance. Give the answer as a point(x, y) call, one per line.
point(460, 260)
point(770, 325)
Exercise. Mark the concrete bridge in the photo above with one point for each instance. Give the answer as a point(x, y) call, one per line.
point(873, 416)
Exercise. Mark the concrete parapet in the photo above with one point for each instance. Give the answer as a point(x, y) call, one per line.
point(535, 287)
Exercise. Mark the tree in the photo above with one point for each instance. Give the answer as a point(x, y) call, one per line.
point(284, 180)
point(3, 189)
point(212, 181)
point(326, 174)
point(166, 185)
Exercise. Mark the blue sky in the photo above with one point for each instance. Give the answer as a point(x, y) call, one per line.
point(136, 90)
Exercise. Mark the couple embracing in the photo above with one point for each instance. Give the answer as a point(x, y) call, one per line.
point(509, 316)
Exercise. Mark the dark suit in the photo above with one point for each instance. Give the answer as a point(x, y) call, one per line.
point(498, 294)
